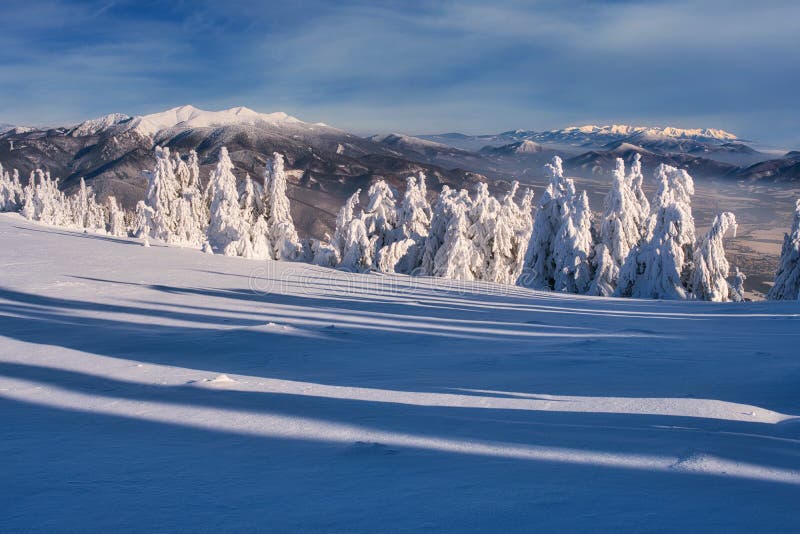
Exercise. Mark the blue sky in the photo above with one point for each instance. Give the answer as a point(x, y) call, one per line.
point(415, 67)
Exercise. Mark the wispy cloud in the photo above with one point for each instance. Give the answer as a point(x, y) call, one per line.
point(413, 66)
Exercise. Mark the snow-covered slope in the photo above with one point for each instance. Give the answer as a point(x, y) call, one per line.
point(165, 389)
point(596, 136)
point(185, 117)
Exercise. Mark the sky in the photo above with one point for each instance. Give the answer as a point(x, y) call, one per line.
point(411, 67)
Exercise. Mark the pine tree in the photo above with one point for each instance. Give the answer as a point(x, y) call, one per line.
point(343, 218)
point(511, 232)
point(443, 212)
point(116, 219)
point(787, 278)
point(482, 221)
point(556, 254)
point(415, 210)
point(737, 286)
point(86, 212)
point(323, 253)
point(282, 234)
point(228, 232)
point(573, 247)
point(380, 216)
point(711, 268)
point(457, 256)
point(661, 266)
point(620, 230)
point(635, 182)
point(10, 191)
point(163, 192)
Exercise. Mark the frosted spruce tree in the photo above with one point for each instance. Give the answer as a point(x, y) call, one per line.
point(787, 278)
point(86, 212)
point(415, 210)
point(510, 234)
point(711, 268)
point(10, 190)
point(353, 250)
point(573, 247)
point(737, 286)
point(457, 257)
point(482, 220)
point(440, 220)
point(380, 216)
point(228, 232)
point(636, 181)
point(44, 202)
point(661, 266)
point(323, 253)
point(404, 253)
point(539, 266)
point(282, 235)
point(343, 218)
point(621, 229)
point(116, 219)
point(561, 231)
point(257, 245)
point(162, 196)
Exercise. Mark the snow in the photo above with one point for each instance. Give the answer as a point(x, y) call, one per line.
point(528, 147)
point(626, 130)
point(184, 117)
point(165, 389)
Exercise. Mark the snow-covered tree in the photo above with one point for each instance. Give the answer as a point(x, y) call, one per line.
point(380, 216)
point(457, 256)
point(573, 247)
point(402, 247)
point(86, 212)
point(635, 182)
point(510, 234)
point(661, 266)
point(482, 219)
point(228, 232)
point(737, 285)
point(621, 228)
point(357, 249)
point(44, 202)
point(343, 218)
point(323, 253)
point(557, 256)
point(116, 219)
point(415, 210)
point(282, 234)
point(161, 196)
point(440, 221)
point(10, 190)
point(711, 268)
point(787, 279)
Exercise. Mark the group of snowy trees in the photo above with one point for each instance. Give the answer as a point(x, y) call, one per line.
point(249, 220)
point(42, 200)
point(641, 250)
point(463, 237)
point(638, 248)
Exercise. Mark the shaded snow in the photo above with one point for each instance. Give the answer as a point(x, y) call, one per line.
point(162, 388)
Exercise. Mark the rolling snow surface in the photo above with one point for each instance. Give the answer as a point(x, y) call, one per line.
point(162, 389)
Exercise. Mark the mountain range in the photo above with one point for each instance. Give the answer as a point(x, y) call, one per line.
point(328, 164)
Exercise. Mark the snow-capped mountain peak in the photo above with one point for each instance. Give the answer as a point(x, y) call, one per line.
point(186, 116)
point(626, 130)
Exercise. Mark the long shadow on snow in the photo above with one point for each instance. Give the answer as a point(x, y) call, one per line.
point(232, 347)
point(71, 470)
point(643, 434)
